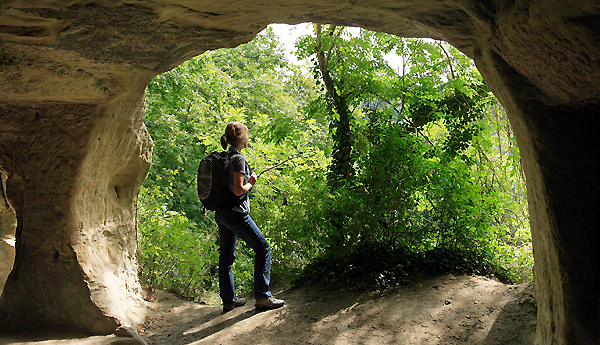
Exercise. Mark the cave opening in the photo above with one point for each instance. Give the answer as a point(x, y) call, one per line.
point(185, 117)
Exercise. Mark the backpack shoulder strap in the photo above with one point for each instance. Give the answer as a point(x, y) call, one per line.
point(232, 153)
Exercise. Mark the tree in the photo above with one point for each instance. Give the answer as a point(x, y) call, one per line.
point(408, 135)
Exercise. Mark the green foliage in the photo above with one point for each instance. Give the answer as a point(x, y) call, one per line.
point(499, 169)
point(172, 255)
point(372, 265)
point(420, 182)
point(427, 173)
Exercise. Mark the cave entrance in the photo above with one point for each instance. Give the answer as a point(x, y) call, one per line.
point(188, 107)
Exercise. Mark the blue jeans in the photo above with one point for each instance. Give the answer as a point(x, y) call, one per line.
point(231, 225)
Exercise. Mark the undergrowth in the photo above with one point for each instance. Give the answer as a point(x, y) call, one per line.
point(380, 266)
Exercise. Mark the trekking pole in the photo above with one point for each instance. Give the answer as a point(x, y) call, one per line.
point(275, 166)
point(189, 184)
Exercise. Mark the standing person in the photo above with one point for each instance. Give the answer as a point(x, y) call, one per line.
point(236, 222)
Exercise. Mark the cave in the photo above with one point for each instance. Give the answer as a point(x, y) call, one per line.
point(74, 149)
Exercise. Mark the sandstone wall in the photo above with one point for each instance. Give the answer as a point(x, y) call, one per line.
point(8, 224)
point(7, 259)
point(104, 205)
point(73, 148)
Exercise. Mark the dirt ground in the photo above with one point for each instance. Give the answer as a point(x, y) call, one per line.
point(444, 310)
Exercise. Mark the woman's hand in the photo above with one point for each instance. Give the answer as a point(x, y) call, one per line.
point(239, 187)
point(253, 178)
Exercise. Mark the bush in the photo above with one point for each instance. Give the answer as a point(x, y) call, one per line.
point(380, 266)
point(174, 255)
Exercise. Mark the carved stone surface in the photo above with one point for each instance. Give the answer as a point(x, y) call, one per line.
point(74, 149)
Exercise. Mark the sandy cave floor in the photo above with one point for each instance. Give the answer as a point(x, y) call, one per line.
point(444, 310)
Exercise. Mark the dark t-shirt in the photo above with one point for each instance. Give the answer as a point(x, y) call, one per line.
point(237, 163)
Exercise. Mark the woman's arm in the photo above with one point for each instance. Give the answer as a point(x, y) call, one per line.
point(239, 187)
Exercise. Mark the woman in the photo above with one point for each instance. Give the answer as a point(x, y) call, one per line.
point(236, 222)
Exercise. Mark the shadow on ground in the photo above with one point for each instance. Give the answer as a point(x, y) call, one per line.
point(436, 310)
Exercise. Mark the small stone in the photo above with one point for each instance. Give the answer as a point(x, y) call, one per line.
point(130, 333)
point(125, 331)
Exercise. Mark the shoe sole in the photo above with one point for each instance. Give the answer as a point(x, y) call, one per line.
point(264, 307)
point(228, 309)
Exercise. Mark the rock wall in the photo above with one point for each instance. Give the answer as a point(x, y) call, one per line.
point(7, 260)
point(104, 205)
point(8, 225)
point(73, 147)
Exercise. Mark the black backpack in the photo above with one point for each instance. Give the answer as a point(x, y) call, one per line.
point(213, 189)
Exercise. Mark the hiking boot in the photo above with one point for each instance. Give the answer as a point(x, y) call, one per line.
point(230, 306)
point(269, 303)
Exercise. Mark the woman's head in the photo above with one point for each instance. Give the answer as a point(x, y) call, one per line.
point(236, 135)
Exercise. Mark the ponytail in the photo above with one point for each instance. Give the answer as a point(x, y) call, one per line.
point(224, 142)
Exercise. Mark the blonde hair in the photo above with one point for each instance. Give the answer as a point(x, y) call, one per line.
point(233, 132)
